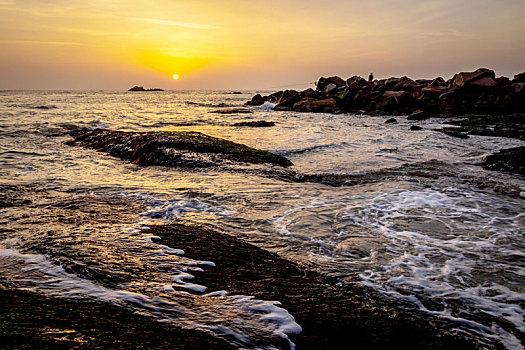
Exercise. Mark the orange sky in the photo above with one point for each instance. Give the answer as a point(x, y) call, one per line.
point(115, 44)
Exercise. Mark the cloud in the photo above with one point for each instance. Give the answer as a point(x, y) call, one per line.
point(173, 23)
point(63, 43)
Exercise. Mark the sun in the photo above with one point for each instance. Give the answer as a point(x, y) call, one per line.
point(175, 76)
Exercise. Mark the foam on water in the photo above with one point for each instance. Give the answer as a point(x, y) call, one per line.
point(34, 272)
point(449, 252)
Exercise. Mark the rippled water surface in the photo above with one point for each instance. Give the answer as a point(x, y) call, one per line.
point(417, 219)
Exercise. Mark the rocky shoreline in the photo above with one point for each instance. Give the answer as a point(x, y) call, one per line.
point(331, 315)
point(467, 92)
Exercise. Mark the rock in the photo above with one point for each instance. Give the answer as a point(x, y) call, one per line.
point(232, 111)
point(415, 128)
point(512, 160)
point(327, 105)
point(418, 115)
point(304, 105)
point(438, 90)
point(390, 83)
point(257, 100)
point(308, 104)
point(391, 121)
point(405, 84)
point(519, 78)
point(502, 81)
point(236, 93)
point(519, 88)
point(141, 88)
point(287, 100)
point(172, 148)
point(329, 88)
point(356, 82)
point(256, 124)
point(454, 133)
point(308, 93)
point(323, 82)
point(438, 82)
point(425, 82)
point(481, 77)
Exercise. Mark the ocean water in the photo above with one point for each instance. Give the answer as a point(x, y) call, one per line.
point(413, 214)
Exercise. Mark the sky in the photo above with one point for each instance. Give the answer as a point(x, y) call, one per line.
point(240, 44)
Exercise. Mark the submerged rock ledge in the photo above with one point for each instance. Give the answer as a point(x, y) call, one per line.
point(332, 316)
point(173, 148)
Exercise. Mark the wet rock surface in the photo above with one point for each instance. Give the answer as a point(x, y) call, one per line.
point(332, 316)
point(172, 148)
point(34, 321)
point(256, 124)
point(511, 160)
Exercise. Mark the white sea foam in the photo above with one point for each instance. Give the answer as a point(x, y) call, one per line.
point(267, 106)
point(38, 274)
point(436, 245)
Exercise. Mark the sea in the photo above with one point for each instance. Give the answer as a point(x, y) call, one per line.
point(412, 215)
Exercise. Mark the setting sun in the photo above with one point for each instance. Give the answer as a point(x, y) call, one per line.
point(175, 76)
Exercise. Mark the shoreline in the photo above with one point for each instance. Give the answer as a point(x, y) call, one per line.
point(331, 315)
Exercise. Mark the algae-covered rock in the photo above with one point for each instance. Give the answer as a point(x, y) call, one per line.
point(173, 148)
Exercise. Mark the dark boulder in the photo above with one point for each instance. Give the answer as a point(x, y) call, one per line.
point(324, 82)
point(502, 81)
point(327, 105)
point(405, 84)
point(308, 104)
point(482, 78)
point(391, 121)
point(519, 78)
point(454, 133)
point(415, 128)
point(309, 93)
point(304, 105)
point(256, 124)
point(356, 82)
point(287, 100)
point(232, 111)
point(257, 100)
point(390, 82)
point(418, 115)
point(438, 82)
point(511, 160)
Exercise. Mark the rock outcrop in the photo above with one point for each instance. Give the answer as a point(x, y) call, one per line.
point(172, 148)
point(465, 93)
point(511, 160)
point(256, 124)
point(141, 88)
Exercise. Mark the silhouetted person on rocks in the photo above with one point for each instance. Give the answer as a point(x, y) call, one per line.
point(371, 77)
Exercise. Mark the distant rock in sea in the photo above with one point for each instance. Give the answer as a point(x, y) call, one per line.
point(141, 88)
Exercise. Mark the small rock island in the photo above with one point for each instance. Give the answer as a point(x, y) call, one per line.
point(141, 88)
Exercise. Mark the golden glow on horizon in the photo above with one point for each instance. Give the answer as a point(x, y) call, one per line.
point(240, 44)
point(175, 76)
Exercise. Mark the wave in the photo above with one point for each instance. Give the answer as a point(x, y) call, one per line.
point(33, 106)
point(311, 148)
point(212, 105)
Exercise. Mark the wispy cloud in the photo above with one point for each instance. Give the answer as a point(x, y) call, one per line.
point(36, 42)
point(173, 23)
